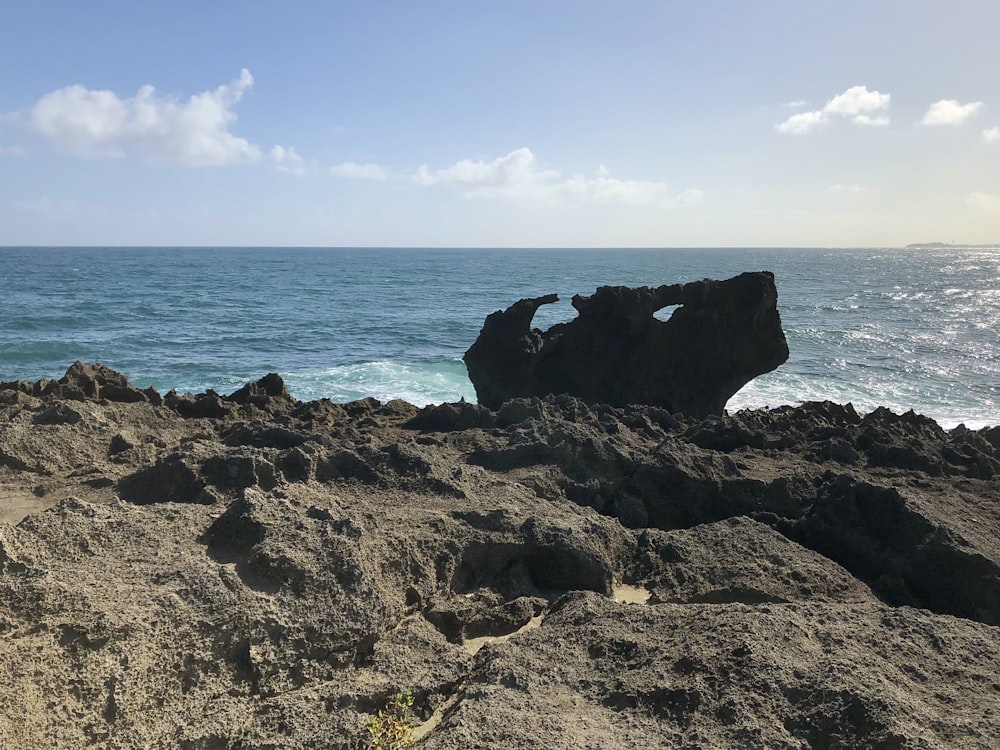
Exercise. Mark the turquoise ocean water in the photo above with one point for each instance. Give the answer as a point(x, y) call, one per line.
point(906, 329)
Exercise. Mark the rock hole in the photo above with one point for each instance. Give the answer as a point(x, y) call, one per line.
point(554, 313)
point(515, 570)
point(169, 480)
point(472, 646)
point(664, 313)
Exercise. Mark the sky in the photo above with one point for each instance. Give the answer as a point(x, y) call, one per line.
point(634, 123)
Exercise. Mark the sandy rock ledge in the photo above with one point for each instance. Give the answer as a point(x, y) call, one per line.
point(251, 572)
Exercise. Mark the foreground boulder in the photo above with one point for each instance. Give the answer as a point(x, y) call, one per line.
point(724, 334)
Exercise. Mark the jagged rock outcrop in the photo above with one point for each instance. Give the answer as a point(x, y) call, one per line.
point(549, 574)
point(86, 382)
point(722, 335)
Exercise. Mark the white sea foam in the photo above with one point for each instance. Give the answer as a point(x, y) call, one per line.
point(419, 384)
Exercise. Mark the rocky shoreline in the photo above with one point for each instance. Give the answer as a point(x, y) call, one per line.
point(250, 571)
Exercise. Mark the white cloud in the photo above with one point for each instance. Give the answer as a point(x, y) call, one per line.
point(517, 176)
point(985, 201)
point(288, 160)
point(991, 135)
point(801, 123)
point(605, 189)
point(193, 133)
point(353, 171)
point(857, 100)
point(517, 170)
point(857, 103)
point(880, 121)
point(797, 104)
point(950, 112)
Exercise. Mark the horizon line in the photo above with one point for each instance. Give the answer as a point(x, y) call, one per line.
point(99, 246)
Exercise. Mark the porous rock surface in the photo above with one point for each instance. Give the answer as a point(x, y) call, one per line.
point(248, 571)
point(721, 336)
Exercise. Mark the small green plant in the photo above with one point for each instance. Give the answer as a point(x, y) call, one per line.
point(392, 727)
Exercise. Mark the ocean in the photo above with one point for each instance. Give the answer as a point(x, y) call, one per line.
point(902, 328)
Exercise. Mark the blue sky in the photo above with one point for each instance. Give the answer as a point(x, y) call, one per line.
point(544, 123)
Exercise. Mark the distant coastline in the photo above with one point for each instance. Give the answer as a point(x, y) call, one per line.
point(950, 246)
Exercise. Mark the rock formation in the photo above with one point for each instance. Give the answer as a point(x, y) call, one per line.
point(724, 334)
point(249, 571)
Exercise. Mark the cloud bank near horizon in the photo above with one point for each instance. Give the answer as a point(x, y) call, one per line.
point(518, 176)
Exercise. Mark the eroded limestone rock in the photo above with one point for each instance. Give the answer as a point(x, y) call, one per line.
point(724, 334)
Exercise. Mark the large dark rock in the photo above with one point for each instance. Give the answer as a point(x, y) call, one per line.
point(722, 335)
